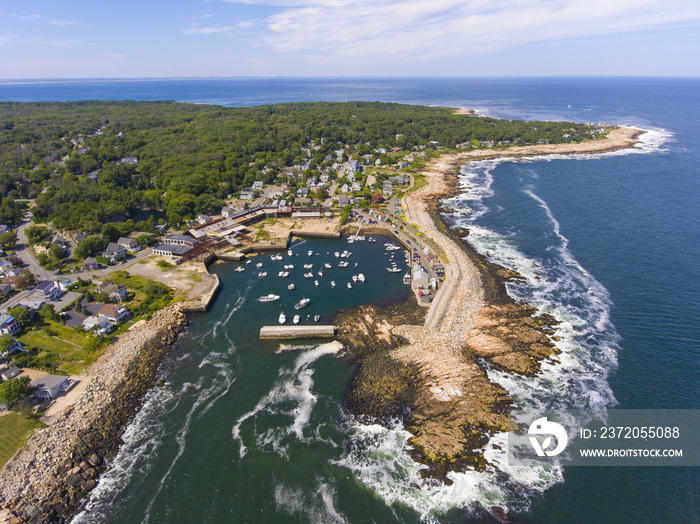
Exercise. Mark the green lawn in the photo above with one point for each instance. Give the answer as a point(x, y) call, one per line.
point(14, 430)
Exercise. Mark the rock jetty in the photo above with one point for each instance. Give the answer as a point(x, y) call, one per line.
point(47, 479)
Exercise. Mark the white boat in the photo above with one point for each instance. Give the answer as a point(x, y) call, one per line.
point(262, 274)
point(320, 273)
point(273, 257)
point(336, 254)
point(354, 278)
point(332, 283)
point(393, 270)
point(296, 319)
point(290, 286)
point(289, 266)
point(317, 318)
point(407, 278)
point(391, 247)
point(284, 274)
point(289, 252)
point(361, 277)
point(309, 275)
point(302, 303)
point(345, 254)
point(316, 283)
point(350, 240)
point(310, 253)
point(349, 285)
point(308, 266)
point(283, 318)
point(239, 269)
point(343, 264)
point(327, 265)
point(269, 298)
point(259, 264)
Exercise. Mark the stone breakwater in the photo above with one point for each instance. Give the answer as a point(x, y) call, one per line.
point(48, 478)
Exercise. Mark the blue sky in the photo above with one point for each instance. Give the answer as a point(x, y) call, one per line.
point(229, 38)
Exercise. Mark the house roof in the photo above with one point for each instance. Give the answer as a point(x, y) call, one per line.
point(49, 381)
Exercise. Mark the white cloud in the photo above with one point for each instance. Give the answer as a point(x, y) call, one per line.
point(60, 22)
point(445, 28)
point(210, 30)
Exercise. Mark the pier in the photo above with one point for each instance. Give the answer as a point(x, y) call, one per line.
point(292, 332)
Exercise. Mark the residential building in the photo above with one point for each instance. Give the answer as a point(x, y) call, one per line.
point(227, 212)
point(258, 185)
point(9, 373)
point(114, 313)
point(129, 244)
point(49, 289)
point(356, 186)
point(247, 193)
point(345, 188)
point(15, 348)
point(204, 219)
point(114, 292)
point(90, 264)
point(98, 324)
point(114, 252)
point(64, 284)
point(131, 160)
point(51, 385)
point(5, 289)
point(8, 324)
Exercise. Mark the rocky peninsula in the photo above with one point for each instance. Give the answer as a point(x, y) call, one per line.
point(432, 372)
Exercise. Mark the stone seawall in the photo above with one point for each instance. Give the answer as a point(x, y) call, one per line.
point(47, 480)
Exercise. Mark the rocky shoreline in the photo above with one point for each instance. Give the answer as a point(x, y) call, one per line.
point(433, 373)
point(48, 479)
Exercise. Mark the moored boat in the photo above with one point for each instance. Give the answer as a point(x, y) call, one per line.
point(269, 298)
point(283, 318)
point(361, 277)
point(302, 303)
point(296, 319)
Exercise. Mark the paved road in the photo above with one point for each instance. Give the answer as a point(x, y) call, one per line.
point(25, 253)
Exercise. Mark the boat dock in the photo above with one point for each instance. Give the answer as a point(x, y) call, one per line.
point(292, 332)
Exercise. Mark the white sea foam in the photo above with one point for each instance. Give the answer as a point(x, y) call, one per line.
point(292, 387)
point(317, 505)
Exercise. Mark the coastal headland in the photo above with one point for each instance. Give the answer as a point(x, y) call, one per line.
point(422, 365)
point(431, 373)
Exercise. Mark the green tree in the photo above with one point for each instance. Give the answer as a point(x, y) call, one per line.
point(14, 390)
point(89, 247)
point(6, 343)
point(22, 315)
point(8, 240)
point(38, 234)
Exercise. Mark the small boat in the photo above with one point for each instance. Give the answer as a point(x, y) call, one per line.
point(393, 270)
point(262, 274)
point(407, 278)
point(308, 266)
point(289, 266)
point(332, 283)
point(391, 247)
point(350, 240)
point(248, 261)
point(349, 285)
point(259, 264)
point(290, 286)
point(239, 269)
point(343, 264)
point(296, 319)
point(283, 274)
point(316, 283)
point(269, 298)
point(361, 277)
point(354, 278)
point(336, 254)
point(345, 254)
point(302, 303)
point(289, 252)
point(283, 318)
point(317, 318)
point(309, 275)
point(320, 273)
point(327, 265)
point(310, 253)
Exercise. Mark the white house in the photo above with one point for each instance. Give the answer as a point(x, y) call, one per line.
point(50, 386)
point(98, 323)
point(129, 244)
point(114, 313)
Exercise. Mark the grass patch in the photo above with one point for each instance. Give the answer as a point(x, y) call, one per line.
point(14, 430)
point(195, 278)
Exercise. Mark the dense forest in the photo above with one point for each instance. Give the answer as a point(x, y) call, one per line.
point(191, 156)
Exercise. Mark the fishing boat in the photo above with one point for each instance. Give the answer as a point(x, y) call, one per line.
point(302, 303)
point(259, 264)
point(309, 275)
point(327, 265)
point(269, 298)
point(391, 247)
point(308, 266)
point(343, 264)
point(317, 318)
point(393, 270)
point(290, 286)
point(361, 277)
point(289, 266)
point(345, 254)
point(407, 278)
point(283, 318)
point(332, 283)
point(296, 319)
point(284, 274)
point(262, 274)
point(239, 269)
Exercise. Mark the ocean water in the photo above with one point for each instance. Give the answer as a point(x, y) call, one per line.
point(608, 244)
